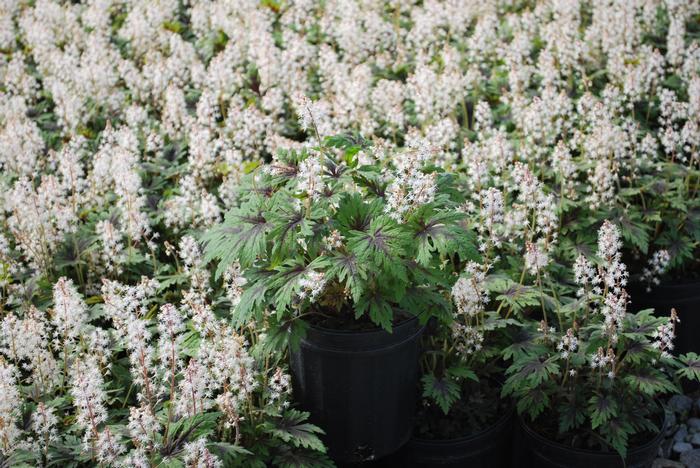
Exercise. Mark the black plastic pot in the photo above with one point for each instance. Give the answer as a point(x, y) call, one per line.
point(540, 452)
point(360, 387)
point(685, 298)
point(490, 448)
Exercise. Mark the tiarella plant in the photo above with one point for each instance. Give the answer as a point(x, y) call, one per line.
point(515, 217)
point(327, 236)
point(463, 362)
point(591, 374)
point(667, 191)
point(126, 379)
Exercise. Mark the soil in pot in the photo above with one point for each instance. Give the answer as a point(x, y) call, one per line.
point(360, 387)
point(476, 433)
point(539, 451)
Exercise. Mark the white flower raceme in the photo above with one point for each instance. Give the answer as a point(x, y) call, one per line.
point(191, 256)
point(309, 176)
point(586, 276)
point(536, 258)
point(568, 344)
point(198, 456)
point(142, 360)
point(108, 447)
point(609, 242)
point(10, 406)
point(231, 369)
point(194, 205)
point(137, 458)
point(41, 215)
point(280, 386)
point(614, 273)
point(124, 302)
point(469, 292)
point(334, 240)
point(565, 168)
point(196, 306)
point(492, 212)
point(410, 186)
point(70, 312)
point(112, 253)
point(608, 281)
point(664, 335)
point(468, 339)
point(89, 397)
point(143, 425)
point(658, 263)
point(116, 166)
point(311, 285)
point(194, 390)
point(44, 426)
point(170, 328)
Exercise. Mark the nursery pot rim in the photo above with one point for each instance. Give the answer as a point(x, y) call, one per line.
point(360, 343)
point(531, 432)
point(498, 424)
point(377, 330)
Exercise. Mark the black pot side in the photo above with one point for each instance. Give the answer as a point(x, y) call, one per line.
point(490, 448)
point(685, 298)
point(360, 388)
point(540, 452)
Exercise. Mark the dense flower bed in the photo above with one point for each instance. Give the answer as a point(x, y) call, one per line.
point(547, 152)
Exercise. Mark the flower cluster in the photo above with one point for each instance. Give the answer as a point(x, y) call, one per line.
point(664, 335)
point(658, 264)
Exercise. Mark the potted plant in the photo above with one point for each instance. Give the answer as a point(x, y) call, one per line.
point(669, 275)
point(462, 419)
point(655, 202)
point(345, 262)
point(589, 379)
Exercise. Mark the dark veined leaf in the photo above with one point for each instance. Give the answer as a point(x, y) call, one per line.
point(616, 432)
point(252, 300)
point(21, 458)
point(532, 401)
point(280, 336)
point(227, 453)
point(285, 282)
point(515, 295)
point(601, 408)
point(188, 429)
point(650, 381)
point(242, 236)
point(298, 458)
point(635, 232)
point(440, 231)
point(443, 391)
point(292, 429)
point(354, 214)
point(571, 416)
point(679, 247)
point(171, 462)
point(345, 268)
point(346, 141)
point(534, 370)
point(523, 344)
point(288, 224)
point(376, 305)
point(426, 302)
point(462, 372)
point(691, 369)
point(383, 244)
